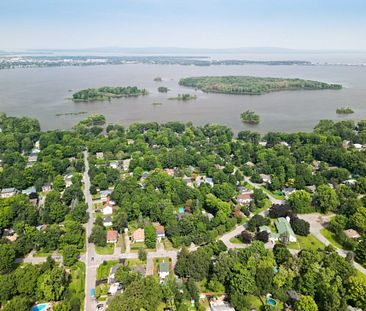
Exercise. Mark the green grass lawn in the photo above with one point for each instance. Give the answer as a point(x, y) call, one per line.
point(276, 195)
point(235, 240)
point(331, 237)
point(168, 246)
point(77, 283)
point(106, 250)
point(267, 205)
point(42, 253)
point(306, 242)
point(104, 268)
point(136, 246)
point(135, 262)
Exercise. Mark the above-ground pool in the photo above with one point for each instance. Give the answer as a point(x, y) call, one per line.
point(271, 302)
point(40, 307)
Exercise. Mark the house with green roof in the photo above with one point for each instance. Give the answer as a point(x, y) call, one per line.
point(285, 232)
point(163, 270)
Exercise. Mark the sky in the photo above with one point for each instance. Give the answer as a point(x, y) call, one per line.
point(73, 24)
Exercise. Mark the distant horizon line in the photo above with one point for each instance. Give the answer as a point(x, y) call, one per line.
point(172, 49)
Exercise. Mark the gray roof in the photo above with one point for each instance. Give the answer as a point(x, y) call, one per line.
point(8, 190)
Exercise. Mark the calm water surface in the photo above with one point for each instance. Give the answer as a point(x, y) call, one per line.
point(43, 92)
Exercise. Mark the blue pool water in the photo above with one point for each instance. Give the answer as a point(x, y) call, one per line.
point(181, 210)
point(40, 307)
point(271, 302)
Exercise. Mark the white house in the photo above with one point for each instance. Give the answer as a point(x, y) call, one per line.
point(104, 194)
point(245, 198)
point(107, 209)
point(8, 193)
point(100, 155)
point(107, 221)
point(68, 179)
point(163, 270)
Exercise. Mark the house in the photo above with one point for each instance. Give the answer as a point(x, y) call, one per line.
point(262, 143)
point(138, 236)
point(114, 288)
point(242, 189)
point(169, 171)
point(163, 270)
point(126, 164)
point(100, 155)
point(130, 141)
point(160, 230)
point(104, 194)
point(352, 234)
point(8, 192)
point(245, 198)
point(285, 232)
point(350, 182)
point(220, 304)
point(29, 191)
point(285, 144)
point(47, 187)
point(114, 164)
point(12, 238)
point(358, 146)
point(188, 181)
point(112, 236)
point(288, 191)
point(68, 179)
point(107, 221)
point(250, 164)
point(42, 227)
point(205, 180)
point(266, 178)
point(32, 158)
point(139, 269)
point(107, 209)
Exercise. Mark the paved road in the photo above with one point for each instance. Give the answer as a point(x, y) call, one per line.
point(258, 186)
point(91, 267)
point(318, 222)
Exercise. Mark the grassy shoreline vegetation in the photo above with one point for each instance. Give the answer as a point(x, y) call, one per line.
point(344, 110)
point(184, 97)
point(248, 85)
point(71, 113)
point(106, 93)
point(250, 117)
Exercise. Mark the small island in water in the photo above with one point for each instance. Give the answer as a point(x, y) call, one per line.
point(106, 93)
point(249, 117)
point(183, 97)
point(163, 89)
point(247, 85)
point(344, 110)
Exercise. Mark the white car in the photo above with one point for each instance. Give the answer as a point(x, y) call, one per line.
point(100, 307)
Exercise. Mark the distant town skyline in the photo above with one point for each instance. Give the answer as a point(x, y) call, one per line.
point(79, 24)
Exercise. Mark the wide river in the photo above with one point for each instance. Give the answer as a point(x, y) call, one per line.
point(43, 92)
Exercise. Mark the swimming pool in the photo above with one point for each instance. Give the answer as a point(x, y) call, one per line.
point(271, 302)
point(40, 307)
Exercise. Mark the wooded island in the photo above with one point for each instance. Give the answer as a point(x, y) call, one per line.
point(107, 93)
point(247, 85)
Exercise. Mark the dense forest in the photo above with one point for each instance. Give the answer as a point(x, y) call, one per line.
point(107, 93)
point(246, 85)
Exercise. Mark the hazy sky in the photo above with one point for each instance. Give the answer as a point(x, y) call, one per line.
point(304, 24)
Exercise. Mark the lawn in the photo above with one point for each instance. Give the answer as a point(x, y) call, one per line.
point(104, 268)
point(76, 286)
point(306, 242)
point(331, 237)
point(168, 246)
point(121, 243)
point(276, 195)
point(134, 262)
point(106, 250)
point(235, 240)
point(136, 246)
point(42, 253)
point(267, 205)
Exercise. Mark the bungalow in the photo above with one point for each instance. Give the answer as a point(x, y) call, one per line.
point(8, 192)
point(169, 171)
point(188, 181)
point(285, 144)
point(104, 194)
point(288, 191)
point(250, 164)
point(160, 230)
point(107, 209)
point(358, 146)
point(68, 179)
point(350, 182)
point(112, 236)
point(262, 143)
point(32, 158)
point(266, 178)
point(352, 234)
point(245, 198)
point(220, 304)
point(138, 236)
point(204, 180)
point(12, 238)
point(107, 221)
point(29, 191)
point(311, 188)
point(126, 164)
point(163, 270)
point(100, 155)
point(286, 234)
point(47, 187)
point(114, 164)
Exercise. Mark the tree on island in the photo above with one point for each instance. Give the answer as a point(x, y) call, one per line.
point(250, 117)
